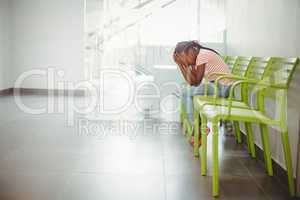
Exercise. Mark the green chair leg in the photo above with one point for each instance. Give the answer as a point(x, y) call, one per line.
point(181, 113)
point(288, 161)
point(266, 147)
point(263, 146)
point(184, 126)
point(189, 131)
point(203, 146)
point(181, 117)
point(248, 142)
point(196, 134)
point(250, 139)
point(237, 132)
point(215, 150)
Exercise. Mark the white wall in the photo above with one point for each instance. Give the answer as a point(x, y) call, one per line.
point(47, 34)
point(268, 28)
point(5, 17)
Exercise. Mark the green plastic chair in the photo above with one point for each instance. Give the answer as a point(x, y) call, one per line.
point(235, 64)
point(187, 126)
point(238, 67)
point(255, 70)
point(231, 61)
point(276, 78)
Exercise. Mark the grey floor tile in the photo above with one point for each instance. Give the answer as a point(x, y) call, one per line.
point(32, 161)
point(255, 167)
point(272, 188)
point(229, 166)
point(114, 187)
point(33, 186)
point(241, 188)
point(176, 144)
point(189, 187)
point(119, 164)
point(181, 164)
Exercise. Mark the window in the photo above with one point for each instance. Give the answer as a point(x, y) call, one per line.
point(144, 33)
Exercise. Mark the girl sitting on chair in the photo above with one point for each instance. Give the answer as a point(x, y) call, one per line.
point(196, 62)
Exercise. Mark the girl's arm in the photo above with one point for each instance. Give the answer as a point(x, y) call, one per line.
point(188, 75)
point(199, 72)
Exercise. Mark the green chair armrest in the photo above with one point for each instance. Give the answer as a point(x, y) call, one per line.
point(261, 83)
point(228, 76)
point(253, 81)
point(216, 73)
point(232, 77)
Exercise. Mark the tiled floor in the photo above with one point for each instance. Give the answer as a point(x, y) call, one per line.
point(41, 157)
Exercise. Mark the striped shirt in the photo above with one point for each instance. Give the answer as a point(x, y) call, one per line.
point(213, 63)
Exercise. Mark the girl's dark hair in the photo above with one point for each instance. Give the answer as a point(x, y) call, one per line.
point(186, 45)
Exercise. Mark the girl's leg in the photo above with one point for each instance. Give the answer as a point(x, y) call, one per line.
point(188, 96)
point(187, 101)
point(189, 92)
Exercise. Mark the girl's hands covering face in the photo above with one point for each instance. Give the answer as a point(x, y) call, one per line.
point(191, 57)
point(180, 59)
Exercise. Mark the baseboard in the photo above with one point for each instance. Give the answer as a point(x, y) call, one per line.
point(279, 173)
point(34, 91)
point(6, 92)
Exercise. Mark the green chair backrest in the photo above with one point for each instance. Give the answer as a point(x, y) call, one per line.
point(230, 61)
point(255, 70)
point(281, 70)
point(241, 65)
point(278, 73)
